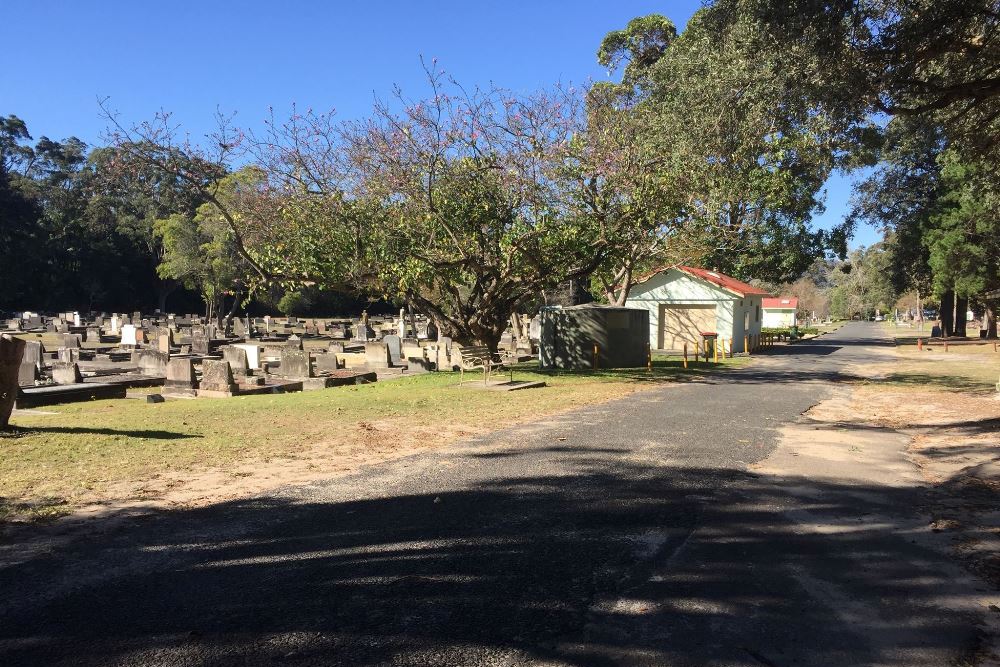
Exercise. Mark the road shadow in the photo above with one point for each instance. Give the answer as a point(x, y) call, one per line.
point(570, 569)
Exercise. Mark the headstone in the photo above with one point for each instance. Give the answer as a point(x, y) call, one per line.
point(395, 349)
point(153, 362)
point(535, 328)
point(93, 335)
point(76, 319)
point(14, 325)
point(181, 380)
point(116, 325)
point(295, 364)
point(128, 335)
point(69, 355)
point(377, 355)
point(66, 373)
point(216, 379)
point(199, 343)
point(253, 354)
point(401, 325)
point(140, 336)
point(164, 341)
point(239, 328)
point(237, 358)
point(335, 346)
point(71, 340)
point(33, 352)
point(11, 353)
point(27, 374)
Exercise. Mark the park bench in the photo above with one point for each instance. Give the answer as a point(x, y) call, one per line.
point(479, 357)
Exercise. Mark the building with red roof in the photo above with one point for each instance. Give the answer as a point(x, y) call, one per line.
point(779, 312)
point(685, 302)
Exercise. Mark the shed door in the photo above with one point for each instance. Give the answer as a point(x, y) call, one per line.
point(683, 323)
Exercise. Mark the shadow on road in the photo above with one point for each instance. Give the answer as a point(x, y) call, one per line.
point(534, 567)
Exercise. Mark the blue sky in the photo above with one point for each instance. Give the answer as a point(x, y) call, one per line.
point(191, 58)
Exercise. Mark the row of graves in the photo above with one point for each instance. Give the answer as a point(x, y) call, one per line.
point(72, 357)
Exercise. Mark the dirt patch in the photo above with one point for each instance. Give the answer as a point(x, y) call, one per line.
point(953, 440)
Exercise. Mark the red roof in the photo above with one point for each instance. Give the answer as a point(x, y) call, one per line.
point(786, 302)
point(735, 286)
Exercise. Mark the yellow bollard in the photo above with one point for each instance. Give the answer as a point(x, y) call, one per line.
point(715, 350)
point(685, 355)
point(649, 358)
point(596, 351)
point(746, 345)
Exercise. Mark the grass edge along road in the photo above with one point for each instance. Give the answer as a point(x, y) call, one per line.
point(59, 458)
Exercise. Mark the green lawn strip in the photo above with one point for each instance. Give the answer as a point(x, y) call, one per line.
point(51, 459)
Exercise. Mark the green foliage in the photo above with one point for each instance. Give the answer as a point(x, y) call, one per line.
point(963, 233)
point(862, 285)
point(200, 251)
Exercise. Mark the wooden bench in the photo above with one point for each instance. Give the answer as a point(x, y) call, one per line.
point(476, 357)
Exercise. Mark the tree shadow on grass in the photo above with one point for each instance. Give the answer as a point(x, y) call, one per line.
point(20, 431)
point(953, 382)
point(605, 565)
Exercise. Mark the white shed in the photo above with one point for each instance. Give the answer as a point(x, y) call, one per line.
point(779, 312)
point(684, 302)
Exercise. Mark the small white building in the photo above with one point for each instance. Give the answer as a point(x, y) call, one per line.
point(779, 312)
point(684, 302)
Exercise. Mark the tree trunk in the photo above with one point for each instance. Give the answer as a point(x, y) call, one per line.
point(164, 289)
point(961, 308)
point(991, 321)
point(947, 313)
point(11, 352)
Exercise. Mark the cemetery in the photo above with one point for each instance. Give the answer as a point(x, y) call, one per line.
point(288, 401)
point(444, 334)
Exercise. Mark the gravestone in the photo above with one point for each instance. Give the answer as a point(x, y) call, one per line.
point(181, 380)
point(327, 362)
point(216, 379)
point(32, 352)
point(116, 325)
point(335, 347)
point(11, 353)
point(70, 340)
point(153, 362)
point(93, 335)
point(27, 374)
point(239, 328)
point(377, 355)
point(199, 343)
point(295, 364)
point(164, 341)
point(253, 354)
point(68, 355)
point(66, 373)
point(395, 348)
point(237, 358)
point(14, 325)
point(128, 335)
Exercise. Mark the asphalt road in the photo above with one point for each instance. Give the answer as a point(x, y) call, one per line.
point(627, 533)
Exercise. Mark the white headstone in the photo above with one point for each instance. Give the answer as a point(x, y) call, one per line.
point(253, 355)
point(128, 334)
point(76, 319)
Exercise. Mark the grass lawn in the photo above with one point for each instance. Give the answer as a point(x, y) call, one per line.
point(967, 367)
point(69, 455)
